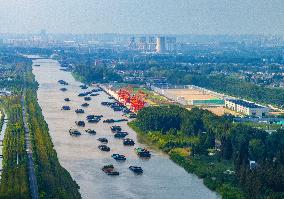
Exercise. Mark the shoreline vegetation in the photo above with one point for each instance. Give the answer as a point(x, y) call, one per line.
point(216, 150)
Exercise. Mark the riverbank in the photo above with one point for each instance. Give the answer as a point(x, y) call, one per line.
point(203, 167)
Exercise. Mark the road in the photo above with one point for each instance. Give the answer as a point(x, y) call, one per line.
point(31, 169)
point(2, 133)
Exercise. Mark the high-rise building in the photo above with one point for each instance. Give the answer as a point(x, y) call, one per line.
point(161, 45)
point(132, 44)
point(151, 44)
point(43, 35)
point(142, 45)
point(171, 44)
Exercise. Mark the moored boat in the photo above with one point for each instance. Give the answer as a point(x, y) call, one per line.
point(87, 98)
point(93, 120)
point(109, 170)
point(128, 142)
point(67, 99)
point(74, 132)
point(62, 82)
point(104, 147)
point(66, 108)
point(120, 134)
point(136, 169)
point(79, 111)
point(82, 94)
point(118, 157)
point(109, 121)
point(85, 105)
point(83, 86)
point(115, 128)
point(80, 123)
point(142, 152)
point(90, 131)
point(103, 140)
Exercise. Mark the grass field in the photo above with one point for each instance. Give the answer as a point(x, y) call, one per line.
point(152, 98)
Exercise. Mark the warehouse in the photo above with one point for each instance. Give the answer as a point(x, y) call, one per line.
point(247, 108)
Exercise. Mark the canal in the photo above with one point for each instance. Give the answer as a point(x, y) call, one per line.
point(162, 179)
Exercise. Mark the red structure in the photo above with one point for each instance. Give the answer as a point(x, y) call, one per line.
point(137, 102)
point(124, 95)
point(127, 97)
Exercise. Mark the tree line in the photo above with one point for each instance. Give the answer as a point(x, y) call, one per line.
point(14, 178)
point(235, 144)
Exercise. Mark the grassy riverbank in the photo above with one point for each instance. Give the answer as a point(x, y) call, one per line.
point(178, 148)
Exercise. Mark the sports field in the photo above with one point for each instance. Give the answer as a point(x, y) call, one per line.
point(190, 94)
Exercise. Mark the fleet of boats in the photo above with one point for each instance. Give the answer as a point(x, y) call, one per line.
point(116, 129)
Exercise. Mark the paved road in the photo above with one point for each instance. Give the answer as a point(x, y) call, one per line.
point(31, 169)
point(2, 133)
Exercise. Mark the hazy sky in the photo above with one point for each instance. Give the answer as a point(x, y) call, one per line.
point(143, 16)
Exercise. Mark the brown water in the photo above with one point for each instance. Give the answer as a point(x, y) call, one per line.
point(162, 179)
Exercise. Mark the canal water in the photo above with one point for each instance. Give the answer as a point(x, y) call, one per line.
point(162, 179)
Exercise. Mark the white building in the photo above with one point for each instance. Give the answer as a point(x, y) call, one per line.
point(247, 108)
point(161, 45)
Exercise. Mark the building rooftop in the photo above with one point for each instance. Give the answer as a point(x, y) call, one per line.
point(245, 103)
